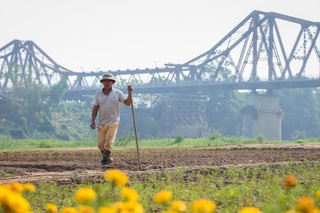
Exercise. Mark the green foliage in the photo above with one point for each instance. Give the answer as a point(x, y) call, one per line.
point(128, 140)
point(5, 138)
point(229, 187)
point(178, 139)
point(214, 135)
point(308, 140)
point(30, 106)
point(301, 109)
point(223, 112)
point(28, 110)
point(57, 92)
point(44, 144)
point(28, 144)
point(260, 138)
point(44, 119)
point(33, 110)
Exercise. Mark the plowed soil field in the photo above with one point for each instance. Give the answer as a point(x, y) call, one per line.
point(65, 165)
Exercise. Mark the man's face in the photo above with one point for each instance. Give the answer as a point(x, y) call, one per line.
point(107, 83)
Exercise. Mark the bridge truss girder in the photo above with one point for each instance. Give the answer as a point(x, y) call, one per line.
point(263, 50)
point(22, 61)
point(263, 47)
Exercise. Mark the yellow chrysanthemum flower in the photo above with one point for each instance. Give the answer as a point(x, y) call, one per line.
point(12, 201)
point(69, 210)
point(316, 210)
point(118, 206)
point(250, 209)
point(106, 209)
point(203, 206)
point(51, 208)
point(130, 194)
point(318, 194)
point(169, 211)
point(29, 187)
point(129, 206)
point(305, 204)
point(162, 197)
point(290, 181)
point(15, 187)
point(178, 206)
point(291, 211)
point(133, 206)
point(86, 209)
point(84, 195)
point(117, 177)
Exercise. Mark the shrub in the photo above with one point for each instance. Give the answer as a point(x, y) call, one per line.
point(215, 135)
point(260, 138)
point(178, 139)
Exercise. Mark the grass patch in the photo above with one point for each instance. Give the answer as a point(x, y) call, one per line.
point(128, 141)
point(231, 189)
point(28, 144)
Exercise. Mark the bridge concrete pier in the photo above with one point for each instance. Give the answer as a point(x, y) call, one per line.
point(262, 116)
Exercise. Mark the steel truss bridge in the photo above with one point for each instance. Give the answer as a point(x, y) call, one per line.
point(266, 50)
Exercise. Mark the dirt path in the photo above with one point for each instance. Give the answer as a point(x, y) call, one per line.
point(65, 165)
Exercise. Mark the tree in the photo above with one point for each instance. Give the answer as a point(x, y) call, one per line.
point(301, 113)
point(27, 108)
point(11, 120)
point(223, 112)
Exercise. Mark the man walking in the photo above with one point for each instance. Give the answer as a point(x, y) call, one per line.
point(107, 102)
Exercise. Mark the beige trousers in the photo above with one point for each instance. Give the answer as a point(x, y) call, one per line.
point(107, 135)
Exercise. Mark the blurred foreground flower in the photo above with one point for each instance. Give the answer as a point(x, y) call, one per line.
point(178, 206)
point(305, 204)
point(162, 197)
point(85, 195)
point(15, 187)
point(69, 210)
point(51, 208)
point(203, 206)
point(29, 187)
point(290, 181)
point(132, 206)
point(117, 177)
point(127, 207)
point(11, 199)
point(250, 209)
point(107, 209)
point(130, 194)
point(169, 211)
point(318, 194)
point(86, 209)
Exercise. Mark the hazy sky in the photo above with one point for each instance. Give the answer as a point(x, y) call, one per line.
point(95, 35)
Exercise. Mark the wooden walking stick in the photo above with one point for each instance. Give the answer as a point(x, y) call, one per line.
point(135, 130)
